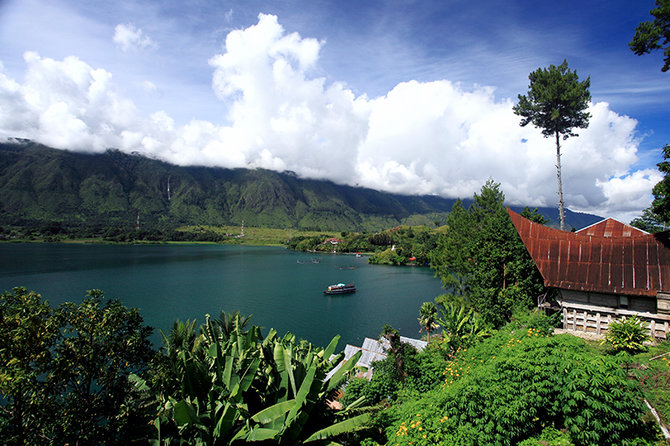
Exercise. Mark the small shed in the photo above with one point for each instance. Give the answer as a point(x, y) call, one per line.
point(603, 272)
point(374, 350)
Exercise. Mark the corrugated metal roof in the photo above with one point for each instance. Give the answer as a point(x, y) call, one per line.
point(611, 228)
point(621, 264)
point(374, 350)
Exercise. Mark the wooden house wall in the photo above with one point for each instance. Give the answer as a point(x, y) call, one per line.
point(593, 312)
point(642, 304)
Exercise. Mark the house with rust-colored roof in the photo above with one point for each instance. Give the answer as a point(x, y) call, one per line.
point(603, 272)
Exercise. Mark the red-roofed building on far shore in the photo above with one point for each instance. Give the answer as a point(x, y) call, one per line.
point(602, 272)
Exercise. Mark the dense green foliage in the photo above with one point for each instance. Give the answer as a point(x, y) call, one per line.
point(654, 35)
point(345, 242)
point(86, 374)
point(64, 372)
point(81, 374)
point(556, 103)
point(481, 257)
point(522, 385)
point(226, 384)
point(422, 372)
point(405, 245)
point(402, 245)
point(513, 386)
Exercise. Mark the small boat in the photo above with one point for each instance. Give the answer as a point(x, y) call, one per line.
point(340, 288)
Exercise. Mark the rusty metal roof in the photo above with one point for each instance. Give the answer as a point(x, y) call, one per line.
point(621, 264)
point(612, 228)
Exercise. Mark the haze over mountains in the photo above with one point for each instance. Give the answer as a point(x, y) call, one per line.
point(39, 184)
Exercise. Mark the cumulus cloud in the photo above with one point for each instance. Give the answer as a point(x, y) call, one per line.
point(128, 37)
point(420, 138)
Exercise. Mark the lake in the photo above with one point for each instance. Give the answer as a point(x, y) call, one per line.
point(280, 288)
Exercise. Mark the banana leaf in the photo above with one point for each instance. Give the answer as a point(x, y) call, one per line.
point(261, 434)
point(347, 426)
point(337, 378)
point(273, 412)
point(185, 413)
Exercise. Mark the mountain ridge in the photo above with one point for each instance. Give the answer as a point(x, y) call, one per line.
point(40, 184)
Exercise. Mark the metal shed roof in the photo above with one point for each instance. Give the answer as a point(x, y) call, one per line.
point(617, 264)
point(374, 350)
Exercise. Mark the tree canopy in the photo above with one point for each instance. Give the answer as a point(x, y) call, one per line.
point(64, 372)
point(481, 257)
point(661, 204)
point(556, 103)
point(654, 34)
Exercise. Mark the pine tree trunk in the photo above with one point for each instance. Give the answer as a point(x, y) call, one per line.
point(561, 209)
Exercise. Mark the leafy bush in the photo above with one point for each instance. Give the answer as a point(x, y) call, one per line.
point(550, 436)
point(627, 334)
point(524, 319)
point(513, 386)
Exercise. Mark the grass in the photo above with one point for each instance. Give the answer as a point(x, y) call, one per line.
point(652, 370)
point(257, 236)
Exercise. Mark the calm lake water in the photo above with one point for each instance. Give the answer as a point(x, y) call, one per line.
point(281, 288)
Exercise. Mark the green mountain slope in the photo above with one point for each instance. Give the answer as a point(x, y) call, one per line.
point(39, 184)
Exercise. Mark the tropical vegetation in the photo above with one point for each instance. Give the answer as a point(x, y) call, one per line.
point(86, 374)
point(517, 385)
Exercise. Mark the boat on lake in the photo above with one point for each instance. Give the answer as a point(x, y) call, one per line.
point(340, 288)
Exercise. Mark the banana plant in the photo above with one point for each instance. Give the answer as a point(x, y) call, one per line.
point(302, 389)
point(460, 327)
point(244, 388)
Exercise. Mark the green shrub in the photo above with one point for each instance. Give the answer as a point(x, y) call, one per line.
point(511, 387)
point(628, 334)
point(524, 319)
point(550, 436)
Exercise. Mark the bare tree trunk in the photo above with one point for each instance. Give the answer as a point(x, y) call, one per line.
point(561, 206)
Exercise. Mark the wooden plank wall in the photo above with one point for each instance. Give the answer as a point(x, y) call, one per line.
point(595, 320)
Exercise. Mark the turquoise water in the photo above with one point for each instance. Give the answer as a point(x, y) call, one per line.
point(281, 288)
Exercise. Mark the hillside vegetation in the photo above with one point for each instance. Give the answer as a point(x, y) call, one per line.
point(40, 185)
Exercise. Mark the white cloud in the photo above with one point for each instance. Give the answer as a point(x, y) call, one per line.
point(148, 86)
point(420, 138)
point(128, 37)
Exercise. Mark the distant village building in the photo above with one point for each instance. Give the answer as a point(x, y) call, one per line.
point(601, 273)
point(332, 241)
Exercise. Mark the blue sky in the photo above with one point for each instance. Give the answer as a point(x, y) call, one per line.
point(404, 96)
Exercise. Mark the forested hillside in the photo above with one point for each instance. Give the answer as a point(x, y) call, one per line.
point(39, 185)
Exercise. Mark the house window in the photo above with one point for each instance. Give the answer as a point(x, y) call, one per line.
point(623, 301)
